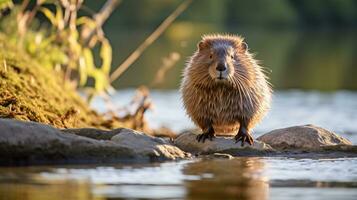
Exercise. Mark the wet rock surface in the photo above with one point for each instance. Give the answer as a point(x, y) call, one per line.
point(138, 142)
point(187, 142)
point(35, 143)
point(143, 144)
point(307, 137)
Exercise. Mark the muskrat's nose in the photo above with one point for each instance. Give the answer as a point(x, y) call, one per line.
point(221, 67)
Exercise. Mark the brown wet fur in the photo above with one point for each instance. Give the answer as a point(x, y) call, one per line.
point(236, 104)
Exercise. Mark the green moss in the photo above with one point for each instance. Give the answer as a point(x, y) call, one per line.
point(34, 93)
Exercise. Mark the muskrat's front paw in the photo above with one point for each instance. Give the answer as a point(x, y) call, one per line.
point(202, 137)
point(244, 137)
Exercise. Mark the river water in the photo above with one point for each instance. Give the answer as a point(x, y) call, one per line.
point(240, 178)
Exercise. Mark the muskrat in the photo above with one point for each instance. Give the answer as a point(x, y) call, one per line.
point(224, 89)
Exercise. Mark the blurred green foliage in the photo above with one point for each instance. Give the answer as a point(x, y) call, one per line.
point(306, 44)
point(282, 13)
point(57, 37)
point(5, 4)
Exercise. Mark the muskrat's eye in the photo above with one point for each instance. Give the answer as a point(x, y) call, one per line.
point(232, 56)
point(210, 56)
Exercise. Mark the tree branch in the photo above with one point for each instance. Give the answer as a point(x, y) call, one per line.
point(149, 40)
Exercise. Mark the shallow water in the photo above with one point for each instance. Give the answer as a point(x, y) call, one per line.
point(240, 178)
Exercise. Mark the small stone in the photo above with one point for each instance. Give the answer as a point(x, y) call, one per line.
point(223, 155)
point(307, 137)
point(216, 156)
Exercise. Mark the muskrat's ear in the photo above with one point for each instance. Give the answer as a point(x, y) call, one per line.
point(203, 45)
point(244, 47)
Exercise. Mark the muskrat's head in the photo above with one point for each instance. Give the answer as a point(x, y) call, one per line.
point(220, 59)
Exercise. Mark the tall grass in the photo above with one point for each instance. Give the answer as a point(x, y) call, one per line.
point(55, 35)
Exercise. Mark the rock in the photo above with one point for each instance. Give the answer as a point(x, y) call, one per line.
point(307, 137)
point(218, 156)
point(35, 143)
point(143, 144)
point(187, 142)
point(93, 133)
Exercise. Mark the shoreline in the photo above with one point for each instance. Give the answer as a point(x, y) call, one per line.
point(30, 143)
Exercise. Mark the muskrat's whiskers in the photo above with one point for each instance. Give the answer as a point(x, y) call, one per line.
point(239, 88)
point(246, 89)
point(243, 89)
point(201, 78)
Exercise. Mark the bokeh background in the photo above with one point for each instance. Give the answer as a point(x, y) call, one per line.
point(309, 48)
point(304, 44)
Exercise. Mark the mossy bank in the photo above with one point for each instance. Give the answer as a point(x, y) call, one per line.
point(31, 92)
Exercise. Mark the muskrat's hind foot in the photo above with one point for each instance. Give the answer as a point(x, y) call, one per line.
point(244, 136)
point(206, 135)
point(202, 137)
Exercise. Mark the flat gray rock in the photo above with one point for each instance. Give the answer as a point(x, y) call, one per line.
point(307, 137)
point(34, 143)
point(187, 142)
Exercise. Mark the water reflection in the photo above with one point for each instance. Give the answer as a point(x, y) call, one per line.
point(221, 179)
point(42, 191)
point(239, 178)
